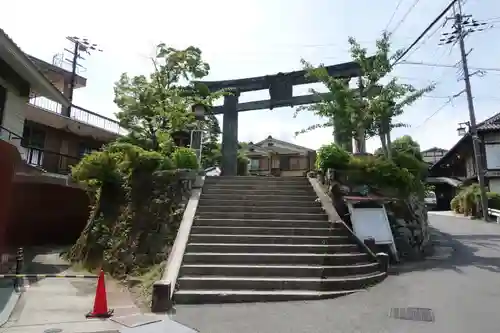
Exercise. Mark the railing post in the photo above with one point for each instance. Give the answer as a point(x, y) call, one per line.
point(383, 260)
point(18, 281)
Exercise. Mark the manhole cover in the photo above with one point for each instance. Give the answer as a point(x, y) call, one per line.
point(416, 314)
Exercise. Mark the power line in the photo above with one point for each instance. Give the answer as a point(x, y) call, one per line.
point(443, 13)
point(404, 16)
point(434, 113)
point(421, 63)
point(393, 14)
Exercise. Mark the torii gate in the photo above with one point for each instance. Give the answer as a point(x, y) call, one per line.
point(280, 88)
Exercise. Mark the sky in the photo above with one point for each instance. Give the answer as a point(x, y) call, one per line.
point(261, 37)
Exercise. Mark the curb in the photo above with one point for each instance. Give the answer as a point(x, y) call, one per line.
point(9, 307)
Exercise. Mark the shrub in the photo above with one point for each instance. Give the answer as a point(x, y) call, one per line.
point(469, 198)
point(378, 172)
point(332, 156)
point(242, 168)
point(185, 158)
point(415, 166)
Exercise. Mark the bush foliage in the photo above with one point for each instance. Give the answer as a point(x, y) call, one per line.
point(137, 200)
point(468, 199)
point(403, 174)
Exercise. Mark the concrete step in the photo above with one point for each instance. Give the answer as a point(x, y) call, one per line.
point(264, 223)
point(271, 248)
point(280, 283)
point(283, 231)
point(274, 258)
point(264, 191)
point(260, 187)
point(198, 236)
point(224, 207)
point(279, 270)
point(245, 296)
point(264, 215)
point(257, 203)
point(255, 180)
point(258, 197)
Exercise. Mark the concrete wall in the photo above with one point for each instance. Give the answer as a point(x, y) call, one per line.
point(33, 213)
point(42, 214)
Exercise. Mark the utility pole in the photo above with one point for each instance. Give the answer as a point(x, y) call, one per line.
point(464, 25)
point(80, 45)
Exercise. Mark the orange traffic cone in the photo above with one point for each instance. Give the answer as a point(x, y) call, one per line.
point(100, 302)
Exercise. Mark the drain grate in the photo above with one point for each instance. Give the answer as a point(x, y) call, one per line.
point(415, 314)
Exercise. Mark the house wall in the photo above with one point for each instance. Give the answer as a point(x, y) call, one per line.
point(13, 117)
point(296, 168)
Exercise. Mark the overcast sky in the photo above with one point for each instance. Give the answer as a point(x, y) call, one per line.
point(258, 37)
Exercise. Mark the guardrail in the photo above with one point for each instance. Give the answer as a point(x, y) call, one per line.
point(495, 213)
point(79, 114)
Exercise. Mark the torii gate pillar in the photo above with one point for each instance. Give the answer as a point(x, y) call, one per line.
point(230, 135)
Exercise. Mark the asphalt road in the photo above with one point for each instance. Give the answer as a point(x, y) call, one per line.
point(460, 284)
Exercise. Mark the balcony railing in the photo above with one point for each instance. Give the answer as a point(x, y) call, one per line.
point(79, 114)
point(49, 161)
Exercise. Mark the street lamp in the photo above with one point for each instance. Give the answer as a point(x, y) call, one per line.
point(199, 111)
point(462, 130)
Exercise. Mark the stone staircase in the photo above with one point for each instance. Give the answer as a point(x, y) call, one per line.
point(267, 239)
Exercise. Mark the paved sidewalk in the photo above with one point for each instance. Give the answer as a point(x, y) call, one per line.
point(61, 304)
point(461, 285)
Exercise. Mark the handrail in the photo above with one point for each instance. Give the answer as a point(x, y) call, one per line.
point(12, 135)
point(333, 217)
point(495, 213)
point(78, 113)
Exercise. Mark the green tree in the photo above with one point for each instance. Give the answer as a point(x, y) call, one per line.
point(153, 107)
point(211, 150)
point(404, 145)
point(369, 108)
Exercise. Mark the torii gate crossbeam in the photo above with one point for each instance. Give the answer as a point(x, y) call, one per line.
point(280, 88)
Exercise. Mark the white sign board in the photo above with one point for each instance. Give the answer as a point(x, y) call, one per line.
point(372, 223)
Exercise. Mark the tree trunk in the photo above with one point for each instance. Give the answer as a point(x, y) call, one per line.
point(360, 141)
point(383, 142)
point(389, 145)
point(388, 138)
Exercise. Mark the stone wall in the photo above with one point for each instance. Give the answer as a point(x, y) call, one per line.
point(407, 216)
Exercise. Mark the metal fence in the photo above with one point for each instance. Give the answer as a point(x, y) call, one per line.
point(79, 114)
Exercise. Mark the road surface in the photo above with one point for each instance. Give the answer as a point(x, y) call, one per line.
point(461, 285)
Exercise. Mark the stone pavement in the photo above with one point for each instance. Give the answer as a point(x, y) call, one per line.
point(461, 284)
point(60, 304)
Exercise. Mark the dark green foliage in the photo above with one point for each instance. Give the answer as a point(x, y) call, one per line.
point(468, 200)
point(184, 158)
point(332, 156)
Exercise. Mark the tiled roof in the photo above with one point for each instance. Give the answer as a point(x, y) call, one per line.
point(492, 123)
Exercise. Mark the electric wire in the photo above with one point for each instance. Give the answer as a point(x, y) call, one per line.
point(404, 16)
point(429, 27)
point(393, 14)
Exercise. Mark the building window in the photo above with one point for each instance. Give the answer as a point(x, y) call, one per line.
point(254, 164)
point(83, 150)
point(492, 156)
